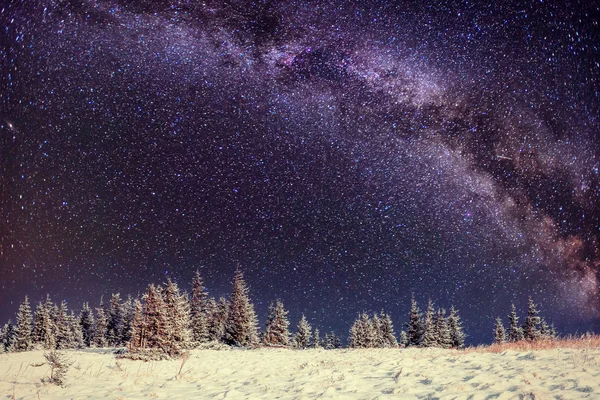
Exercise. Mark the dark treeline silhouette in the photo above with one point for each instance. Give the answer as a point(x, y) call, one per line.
point(165, 322)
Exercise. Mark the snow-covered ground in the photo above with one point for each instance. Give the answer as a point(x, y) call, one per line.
point(309, 374)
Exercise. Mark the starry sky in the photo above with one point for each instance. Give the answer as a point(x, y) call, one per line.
point(346, 154)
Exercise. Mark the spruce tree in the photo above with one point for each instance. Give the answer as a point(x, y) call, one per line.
point(457, 335)
point(362, 334)
point(416, 328)
point(199, 311)
point(514, 332)
point(530, 328)
point(44, 331)
point(138, 327)
point(128, 311)
point(331, 341)
point(442, 330)
point(64, 339)
point(101, 327)
point(317, 339)
point(23, 333)
point(218, 314)
point(303, 336)
point(544, 329)
point(387, 331)
point(177, 319)
point(115, 320)
point(77, 340)
point(499, 331)
point(404, 339)
point(86, 319)
point(429, 338)
point(378, 340)
point(8, 336)
point(242, 325)
point(156, 335)
point(277, 333)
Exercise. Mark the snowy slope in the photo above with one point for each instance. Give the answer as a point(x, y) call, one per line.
point(308, 374)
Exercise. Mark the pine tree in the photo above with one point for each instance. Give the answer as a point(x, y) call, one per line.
point(545, 329)
point(416, 329)
point(317, 339)
point(22, 339)
point(530, 328)
point(138, 327)
point(127, 320)
point(277, 333)
point(63, 330)
point(499, 331)
point(332, 341)
point(457, 335)
point(303, 336)
point(8, 336)
point(177, 319)
point(218, 314)
point(362, 334)
point(442, 330)
point(403, 339)
point(378, 340)
point(44, 331)
point(387, 331)
point(199, 311)
point(429, 338)
point(514, 332)
point(115, 321)
point(86, 320)
point(77, 341)
point(101, 328)
point(242, 325)
point(156, 335)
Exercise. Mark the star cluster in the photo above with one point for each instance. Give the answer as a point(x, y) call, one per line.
point(345, 154)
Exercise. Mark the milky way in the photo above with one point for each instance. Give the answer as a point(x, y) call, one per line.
point(345, 155)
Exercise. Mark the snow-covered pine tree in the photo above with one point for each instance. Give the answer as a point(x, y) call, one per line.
point(442, 330)
point(86, 319)
point(8, 336)
point(387, 330)
point(277, 330)
point(242, 325)
point(377, 334)
point(530, 327)
point(177, 309)
point(416, 326)
point(303, 336)
point(64, 339)
point(44, 331)
point(317, 339)
point(156, 335)
point(514, 332)
point(499, 331)
point(361, 332)
point(101, 327)
point(199, 311)
point(115, 321)
point(128, 310)
point(403, 339)
point(38, 334)
point(544, 329)
point(429, 338)
point(334, 341)
point(457, 334)
point(138, 327)
point(23, 340)
point(76, 331)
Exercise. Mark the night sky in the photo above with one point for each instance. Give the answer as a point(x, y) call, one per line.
point(346, 154)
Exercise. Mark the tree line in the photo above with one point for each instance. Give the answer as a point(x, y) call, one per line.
point(165, 321)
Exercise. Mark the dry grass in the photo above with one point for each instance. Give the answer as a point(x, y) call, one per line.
point(587, 341)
